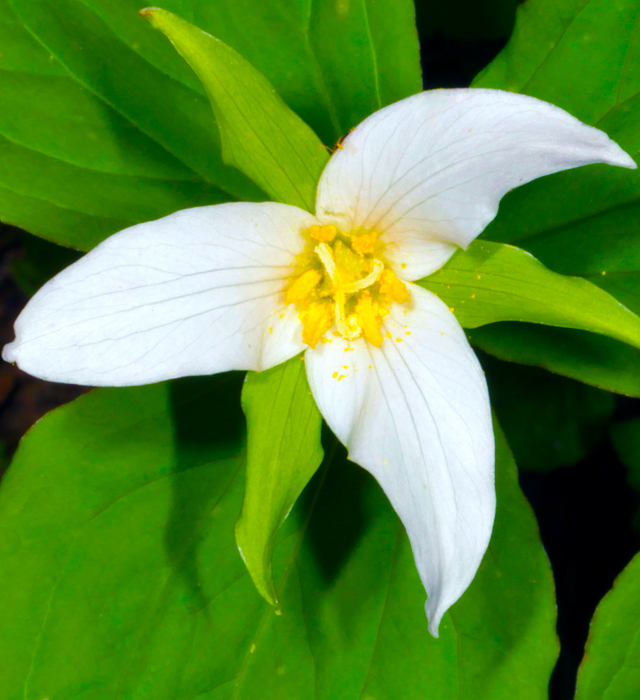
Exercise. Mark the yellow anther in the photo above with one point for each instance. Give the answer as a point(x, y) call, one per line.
point(364, 244)
point(369, 319)
point(323, 233)
point(316, 321)
point(392, 288)
point(302, 287)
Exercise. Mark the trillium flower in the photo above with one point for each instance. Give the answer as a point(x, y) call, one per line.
point(246, 286)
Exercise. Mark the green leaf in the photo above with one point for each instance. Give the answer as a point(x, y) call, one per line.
point(550, 421)
point(284, 451)
point(121, 101)
point(121, 576)
point(540, 60)
point(587, 223)
point(492, 282)
point(589, 358)
point(610, 667)
point(260, 135)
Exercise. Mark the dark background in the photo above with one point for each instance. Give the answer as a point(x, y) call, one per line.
point(585, 511)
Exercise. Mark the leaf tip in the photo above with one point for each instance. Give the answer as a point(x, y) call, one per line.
point(151, 14)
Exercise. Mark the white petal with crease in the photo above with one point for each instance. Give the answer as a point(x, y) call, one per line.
point(197, 292)
point(435, 165)
point(416, 414)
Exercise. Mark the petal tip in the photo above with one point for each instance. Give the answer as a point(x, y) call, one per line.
point(435, 618)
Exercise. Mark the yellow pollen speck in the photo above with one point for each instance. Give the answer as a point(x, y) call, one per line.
point(342, 376)
point(365, 243)
point(271, 330)
point(345, 367)
point(398, 340)
point(370, 367)
point(473, 296)
point(337, 335)
point(388, 334)
point(451, 309)
point(604, 272)
point(324, 340)
point(334, 375)
point(302, 287)
point(316, 321)
point(477, 277)
point(408, 333)
point(323, 233)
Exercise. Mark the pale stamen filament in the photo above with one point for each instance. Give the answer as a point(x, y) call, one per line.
point(324, 253)
point(367, 281)
point(348, 328)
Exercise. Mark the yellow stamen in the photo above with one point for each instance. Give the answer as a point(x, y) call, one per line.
point(392, 288)
point(323, 233)
point(347, 327)
point(369, 319)
point(364, 244)
point(316, 321)
point(302, 287)
point(326, 257)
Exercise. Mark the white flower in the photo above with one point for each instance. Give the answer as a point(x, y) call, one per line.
point(247, 286)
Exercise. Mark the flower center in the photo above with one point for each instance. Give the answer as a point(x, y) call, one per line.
point(340, 279)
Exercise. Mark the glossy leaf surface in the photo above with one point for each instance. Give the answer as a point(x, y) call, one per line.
point(122, 577)
point(284, 451)
point(587, 357)
point(610, 669)
point(550, 421)
point(492, 282)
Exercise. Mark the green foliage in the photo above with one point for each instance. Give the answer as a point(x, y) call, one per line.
point(610, 669)
point(492, 282)
point(284, 451)
point(589, 358)
point(129, 135)
point(260, 135)
point(550, 421)
point(587, 223)
point(121, 574)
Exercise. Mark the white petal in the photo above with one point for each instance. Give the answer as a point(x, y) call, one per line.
point(435, 165)
point(416, 414)
point(197, 292)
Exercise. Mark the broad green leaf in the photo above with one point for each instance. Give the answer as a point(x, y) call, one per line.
point(550, 421)
point(492, 282)
point(94, 88)
point(260, 135)
point(84, 193)
point(589, 358)
point(610, 669)
point(283, 453)
point(74, 169)
point(121, 577)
